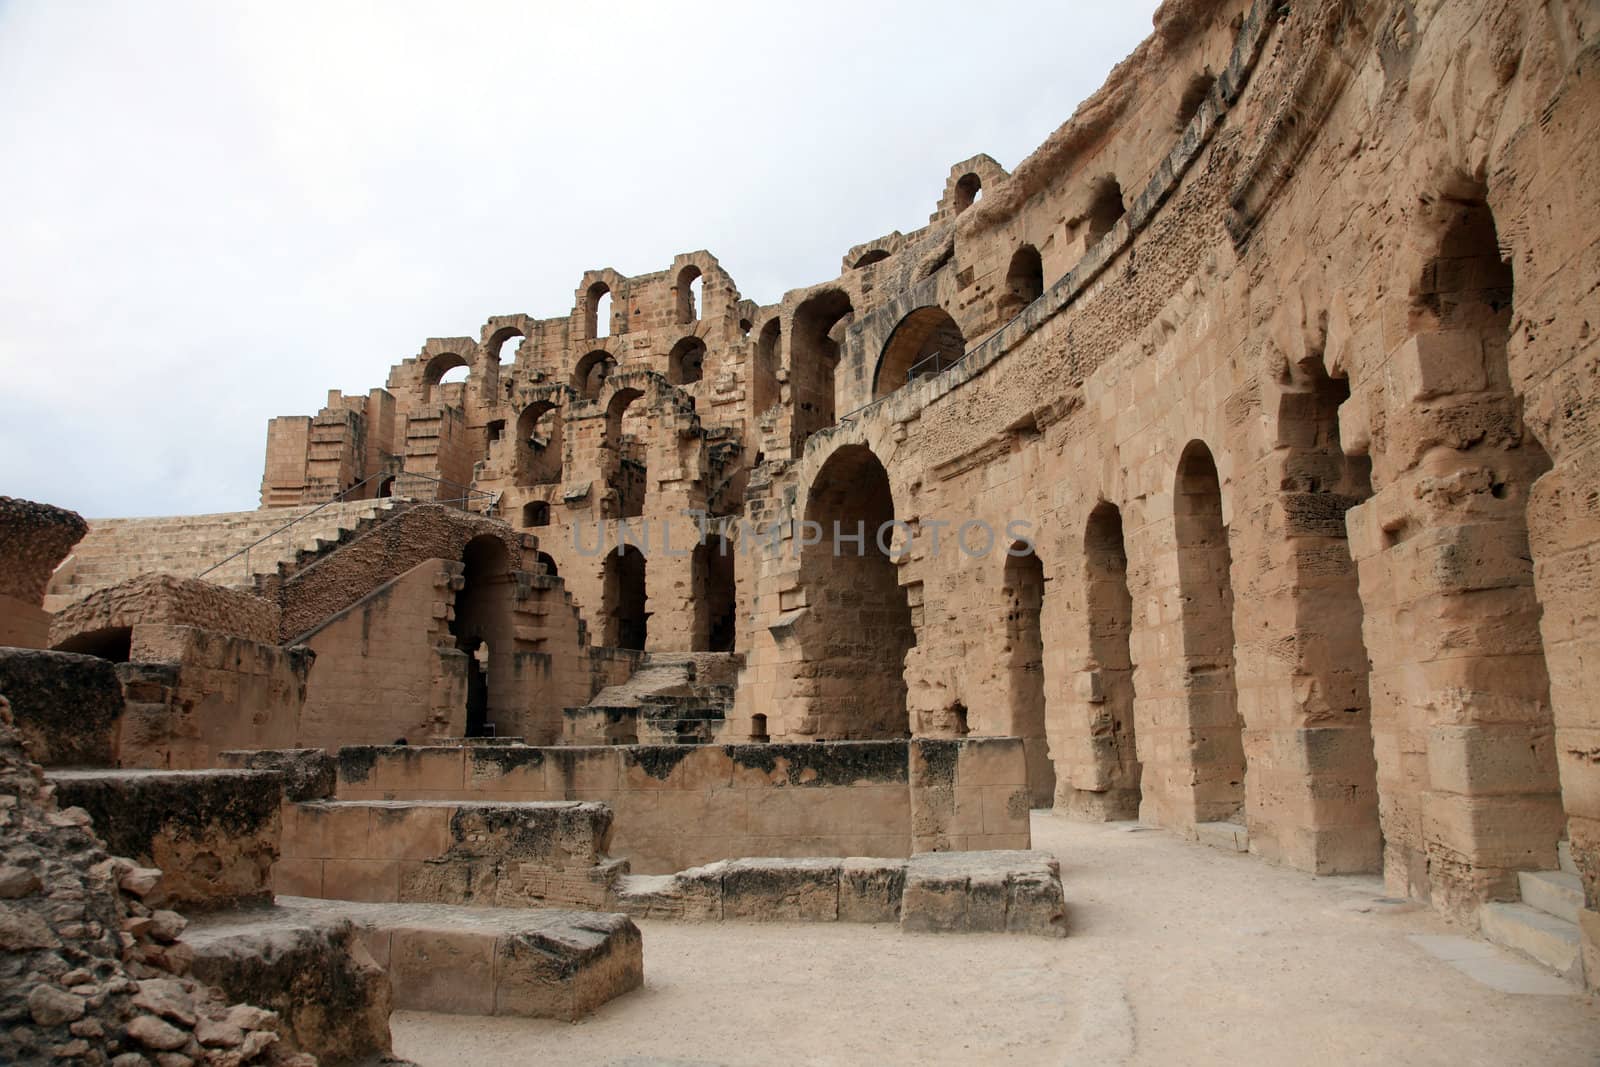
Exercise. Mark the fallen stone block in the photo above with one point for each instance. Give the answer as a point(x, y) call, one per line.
point(977, 892)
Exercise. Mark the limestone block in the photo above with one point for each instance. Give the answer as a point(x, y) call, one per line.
point(781, 890)
point(870, 889)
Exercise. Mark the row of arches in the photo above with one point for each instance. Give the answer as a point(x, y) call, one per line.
point(624, 606)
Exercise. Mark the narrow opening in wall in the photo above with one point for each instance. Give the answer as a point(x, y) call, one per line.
point(1194, 95)
point(969, 190)
point(1109, 616)
point(597, 310)
point(535, 513)
point(686, 361)
point(714, 596)
point(1023, 594)
point(624, 600)
point(758, 729)
point(1024, 282)
point(691, 287)
point(1106, 209)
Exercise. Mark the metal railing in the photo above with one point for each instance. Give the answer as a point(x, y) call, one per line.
point(342, 497)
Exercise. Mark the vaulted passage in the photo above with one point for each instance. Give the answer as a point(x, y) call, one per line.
point(819, 325)
point(1215, 733)
point(626, 462)
point(482, 622)
point(1453, 616)
point(923, 344)
point(714, 601)
point(1111, 788)
point(1024, 594)
point(858, 626)
point(623, 595)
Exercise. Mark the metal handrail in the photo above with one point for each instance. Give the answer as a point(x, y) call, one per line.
point(339, 497)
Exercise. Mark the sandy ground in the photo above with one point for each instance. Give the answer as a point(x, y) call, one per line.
point(1178, 954)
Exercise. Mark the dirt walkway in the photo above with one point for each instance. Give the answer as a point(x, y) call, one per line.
point(1178, 954)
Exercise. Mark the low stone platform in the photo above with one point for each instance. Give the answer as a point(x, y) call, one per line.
point(214, 833)
point(540, 963)
point(1015, 892)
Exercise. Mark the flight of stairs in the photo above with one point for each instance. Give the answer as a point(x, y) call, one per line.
point(115, 550)
point(673, 698)
point(1545, 924)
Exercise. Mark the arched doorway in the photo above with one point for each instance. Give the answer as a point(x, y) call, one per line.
point(626, 622)
point(923, 344)
point(482, 620)
point(1108, 608)
point(1024, 596)
point(1215, 740)
point(858, 620)
point(715, 604)
point(539, 445)
point(627, 465)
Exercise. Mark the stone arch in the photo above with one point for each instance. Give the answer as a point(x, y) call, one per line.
point(434, 371)
point(1214, 731)
point(598, 310)
point(689, 291)
point(627, 446)
point(1106, 208)
point(925, 342)
point(969, 188)
point(1023, 590)
point(500, 343)
point(1024, 281)
point(589, 374)
point(539, 444)
point(1109, 787)
point(482, 627)
point(814, 344)
point(858, 619)
point(765, 390)
point(686, 362)
point(715, 599)
point(624, 600)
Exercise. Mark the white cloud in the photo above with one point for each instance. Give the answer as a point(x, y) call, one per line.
point(217, 212)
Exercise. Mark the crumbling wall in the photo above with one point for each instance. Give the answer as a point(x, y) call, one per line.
point(34, 539)
point(169, 600)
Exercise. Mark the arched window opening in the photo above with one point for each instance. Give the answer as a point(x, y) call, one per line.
point(626, 622)
point(386, 487)
point(1024, 281)
point(114, 643)
point(1105, 209)
point(447, 368)
point(689, 289)
point(1117, 772)
point(745, 326)
point(597, 310)
point(764, 386)
point(877, 255)
point(591, 372)
point(758, 729)
point(686, 361)
point(715, 604)
point(1205, 587)
point(547, 565)
point(505, 344)
point(539, 445)
point(535, 513)
point(627, 427)
point(969, 190)
point(819, 326)
point(1024, 602)
point(925, 342)
point(858, 615)
point(1194, 95)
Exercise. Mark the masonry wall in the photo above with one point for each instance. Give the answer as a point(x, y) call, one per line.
point(676, 807)
point(387, 667)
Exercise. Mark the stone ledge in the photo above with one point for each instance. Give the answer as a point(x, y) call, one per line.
point(1015, 892)
point(547, 963)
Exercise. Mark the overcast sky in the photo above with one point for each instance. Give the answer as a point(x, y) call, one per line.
point(212, 213)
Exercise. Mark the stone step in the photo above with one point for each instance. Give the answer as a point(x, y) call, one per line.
point(1227, 836)
point(1542, 937)
point(1555, 893)
point(1564, 851)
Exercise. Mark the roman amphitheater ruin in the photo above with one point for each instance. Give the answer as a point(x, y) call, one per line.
point(1230, 469)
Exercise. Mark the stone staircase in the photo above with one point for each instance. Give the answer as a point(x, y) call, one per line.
point(1544, 925)
point(115, 550)
point(673, 698)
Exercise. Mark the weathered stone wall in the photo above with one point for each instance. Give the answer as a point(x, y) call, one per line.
point(192, 693)
point(214, 833)
point(169, 600)
point(676, 807)
point(485, 854)
point(68, 708)
point(34, 539)
point(387, 666)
